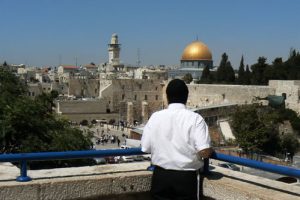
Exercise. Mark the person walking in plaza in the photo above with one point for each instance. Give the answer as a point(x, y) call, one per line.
point(178, 141)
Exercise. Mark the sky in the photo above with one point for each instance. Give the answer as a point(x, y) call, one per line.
point(52, 32)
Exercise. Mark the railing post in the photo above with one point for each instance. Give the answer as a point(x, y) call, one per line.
point(206, 166)
point(23, 171)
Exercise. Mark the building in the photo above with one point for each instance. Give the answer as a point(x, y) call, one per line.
point(114, 49)
point(194, 58)
point(64, 72)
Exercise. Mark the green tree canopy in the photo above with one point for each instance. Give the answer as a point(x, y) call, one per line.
point(221, 71)
point(225, 72)
point(206, 75)
point(241, 72)
point(247, 76)
point(229, 73)
point(256, 130)
point(258, 71)
point(29, 125)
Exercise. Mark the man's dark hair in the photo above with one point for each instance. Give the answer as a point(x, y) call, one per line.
point(177, 91)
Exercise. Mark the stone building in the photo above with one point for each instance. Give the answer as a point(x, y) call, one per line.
point(131, 100)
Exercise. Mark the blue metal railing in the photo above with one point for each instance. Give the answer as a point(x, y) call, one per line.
point(278, 169)
point(24, 157)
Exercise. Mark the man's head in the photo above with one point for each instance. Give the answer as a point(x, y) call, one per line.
point(177, 91)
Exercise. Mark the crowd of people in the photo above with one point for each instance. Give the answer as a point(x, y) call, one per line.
point(106, 138)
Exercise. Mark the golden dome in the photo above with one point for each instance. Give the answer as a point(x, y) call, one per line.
point(196, 51)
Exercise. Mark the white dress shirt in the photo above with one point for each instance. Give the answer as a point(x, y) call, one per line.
point(174, 136)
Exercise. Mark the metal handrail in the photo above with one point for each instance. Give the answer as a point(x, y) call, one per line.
point(278, 169)
point(24, 157)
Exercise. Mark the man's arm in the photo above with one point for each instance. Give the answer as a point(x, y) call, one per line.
point(202, 138)
point(205, 153)
point(146, 140)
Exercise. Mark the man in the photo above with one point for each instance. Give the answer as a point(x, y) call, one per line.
point(178, 140)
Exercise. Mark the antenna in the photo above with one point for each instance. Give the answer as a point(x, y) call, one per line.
point(196, 37)
point(59, 59)
point(138, 57)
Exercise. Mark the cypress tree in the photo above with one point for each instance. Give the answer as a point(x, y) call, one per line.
point(241, 72)
point(229, 73)
point(247, 77)
point(221, 71)
point(205, 77)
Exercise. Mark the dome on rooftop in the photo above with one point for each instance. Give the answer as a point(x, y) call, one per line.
point(196, 51)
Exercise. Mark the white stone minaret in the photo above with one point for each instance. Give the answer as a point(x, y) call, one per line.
point(114, 50)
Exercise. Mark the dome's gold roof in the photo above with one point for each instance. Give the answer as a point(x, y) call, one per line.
point(196, 51)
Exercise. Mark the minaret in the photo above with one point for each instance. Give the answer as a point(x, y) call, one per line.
point(114, 50)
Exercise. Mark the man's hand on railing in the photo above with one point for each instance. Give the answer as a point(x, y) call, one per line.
point(205, 153)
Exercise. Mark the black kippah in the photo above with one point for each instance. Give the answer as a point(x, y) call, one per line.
point(177, 91)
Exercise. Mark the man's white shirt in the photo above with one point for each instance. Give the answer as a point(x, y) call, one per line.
point(174, 136)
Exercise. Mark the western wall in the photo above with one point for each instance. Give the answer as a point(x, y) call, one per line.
point(136, 99)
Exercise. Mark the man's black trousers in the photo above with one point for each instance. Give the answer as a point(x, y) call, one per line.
point(174, 185)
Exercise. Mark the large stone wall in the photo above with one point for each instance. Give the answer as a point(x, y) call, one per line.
point(212, 94)
point(84, 87)
point(148, 96)
point(136, 91)
point(292, 91)
point(81, 107)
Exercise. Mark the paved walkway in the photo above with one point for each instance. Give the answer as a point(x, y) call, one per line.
point(108, 130)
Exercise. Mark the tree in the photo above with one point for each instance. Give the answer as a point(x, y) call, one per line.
point(253, 129)
point(288, 114)
point(221, 71)
point(31, 125)
point(229, 73)
point(205, 76)
point(289, 144)
point(247, 77)
point(256, 130)
point(258, 70)
point(187, 78)
point(225, 72)
point(241, 72)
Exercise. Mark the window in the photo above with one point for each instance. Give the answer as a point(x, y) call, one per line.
point(146, 97)
point(135, 97)
point(156, 97)
point(123, 87)
point(123, 96)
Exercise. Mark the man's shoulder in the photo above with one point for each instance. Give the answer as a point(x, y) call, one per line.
point(192, 114)
point(160, 112)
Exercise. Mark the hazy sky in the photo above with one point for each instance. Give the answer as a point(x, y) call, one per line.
point(43, 32)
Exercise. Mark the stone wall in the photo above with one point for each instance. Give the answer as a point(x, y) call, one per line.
point(115, 95)
point(81, 107)
point(208, 94)
point(292, 91)
point(131, 182)
point(136, 91)
point(84, 87)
